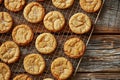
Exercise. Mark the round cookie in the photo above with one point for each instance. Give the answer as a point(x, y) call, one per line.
point(48, 79)
point(34, 12)
point(90, 5)
point(5, 22)
point(80, 23)
point(46, 43)
point(34, 64)
point(22, 34)
point(22, 77)
point(14, 5)
point(5, 72)
point(62, 4)
point(54, 21)
point(74, 48)
point(9, 52)
point(61, 68)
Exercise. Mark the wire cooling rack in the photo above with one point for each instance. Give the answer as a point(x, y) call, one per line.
point(38, 28)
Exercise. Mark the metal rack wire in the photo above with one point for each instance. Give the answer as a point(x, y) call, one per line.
point(61, 37)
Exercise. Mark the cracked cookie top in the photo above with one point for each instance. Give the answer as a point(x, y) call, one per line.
point(5, 22)
point(80, 23)
point(22, 77)
point(22, 34)
point(34, 12)
point(61, 68)
point(14, 5)
point(54, 21)
point(5, 72)
point(74, 47)
point(9, 52)
point(62, 4)
point(46, 43)
point(90, 5)
point(34, 64)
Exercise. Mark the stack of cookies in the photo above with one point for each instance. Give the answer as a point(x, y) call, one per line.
point(46, 43)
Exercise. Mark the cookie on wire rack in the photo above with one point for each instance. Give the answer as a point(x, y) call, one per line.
point(22, 77)
point(54, 21)
point(22, 34)
point(46, 43)
point(6, 22)
point(5, 71)
point(80, 23)
point(34, 12)
point(62, 4)
point(34, 64)
point(9, 52)
point(61, 68)
point(14, 5)
point(74, 47)
point(90, 5)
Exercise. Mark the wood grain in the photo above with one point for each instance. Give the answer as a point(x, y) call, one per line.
point(97, 76)
point(102, 55)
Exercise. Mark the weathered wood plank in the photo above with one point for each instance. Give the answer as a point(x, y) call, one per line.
point(102, 55)
point(97, 76)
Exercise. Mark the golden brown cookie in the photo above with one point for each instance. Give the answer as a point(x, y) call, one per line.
point(90, 5)
point(54, 21)
point(34, 12)
point(9, 52)
point(5, 72)
point(61, 68)
point(14, 5)
point(62, 4)
point(22, 77)
point(22, 34)
point(46, 43)
point(5, 22)
point(80, 23)
point(34, 64)
point(48, 79)
point(74, 48)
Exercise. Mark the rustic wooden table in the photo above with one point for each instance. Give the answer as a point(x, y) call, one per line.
point(102, 58)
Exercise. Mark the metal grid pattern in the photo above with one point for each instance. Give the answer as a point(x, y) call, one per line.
point(61, 37)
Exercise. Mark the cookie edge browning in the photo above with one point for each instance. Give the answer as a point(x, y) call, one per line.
point(63, 7)
point(13, 10)
point(35, 3)
point(89, 10)
point(7, 68)
point(13, 60)
point(28, 41)
point(75, 57)
point(5, 31)
point(55, 30)
point(56, 76)
point(22, 75)
point(86, 30)
point(25, 63)
point(37, 44)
